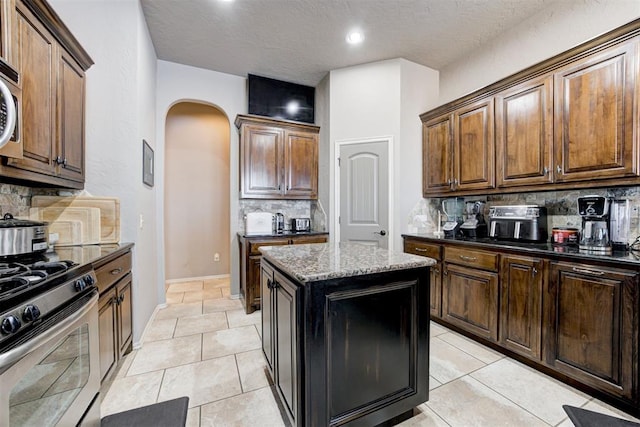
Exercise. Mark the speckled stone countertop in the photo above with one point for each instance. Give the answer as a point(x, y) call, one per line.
point(322, 261)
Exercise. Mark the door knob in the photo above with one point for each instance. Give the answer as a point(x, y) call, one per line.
point(381, 232)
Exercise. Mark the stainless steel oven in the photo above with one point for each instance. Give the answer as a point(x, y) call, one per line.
point(49, 367)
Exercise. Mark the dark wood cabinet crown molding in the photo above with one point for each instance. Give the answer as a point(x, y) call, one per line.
point(590, 47)
point(267, 121)
point(50, 19)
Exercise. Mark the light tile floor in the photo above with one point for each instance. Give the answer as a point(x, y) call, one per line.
point(204, 346)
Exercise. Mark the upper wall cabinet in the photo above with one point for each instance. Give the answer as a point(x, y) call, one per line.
point(524, 134)
point(278, 159)
point(570, 120)
point(459, 150)
point(594, 117)
point(51, 66)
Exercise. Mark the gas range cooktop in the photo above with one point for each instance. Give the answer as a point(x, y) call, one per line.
point(34, 288)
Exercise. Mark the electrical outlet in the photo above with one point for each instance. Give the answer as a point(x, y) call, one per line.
point(216, 257)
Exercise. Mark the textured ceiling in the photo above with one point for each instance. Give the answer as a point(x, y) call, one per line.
point(301, 40)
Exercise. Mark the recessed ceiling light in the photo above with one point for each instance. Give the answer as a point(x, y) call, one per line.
point(355, 37)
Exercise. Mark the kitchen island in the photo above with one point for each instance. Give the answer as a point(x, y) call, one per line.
point(345, 332)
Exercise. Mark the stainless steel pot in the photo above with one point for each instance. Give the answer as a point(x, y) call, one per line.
point(18, 236)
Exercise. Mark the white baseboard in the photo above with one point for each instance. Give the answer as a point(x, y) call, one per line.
point(138, 344)
point(189, 279)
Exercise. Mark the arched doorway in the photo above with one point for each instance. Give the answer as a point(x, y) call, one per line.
point(196, 199)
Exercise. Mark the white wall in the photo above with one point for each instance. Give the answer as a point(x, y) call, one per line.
point(120, 112)
point(322, 119)
point(563, 25)
point(384, 99)
point(177, 83)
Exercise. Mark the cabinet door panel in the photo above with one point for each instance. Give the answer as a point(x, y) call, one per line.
point(301, 164)
point(521, 305)
point(266, 281)
point(594, 116)
point(435, 288)
point(36, 50)
point(286, 345)
point(474, 147)
point(125, 327)
point(524, 134)
point(436, 151)
point(470, 300)
point(591, 334)
point(261, 161)
point(108, 332)
point(70, 119)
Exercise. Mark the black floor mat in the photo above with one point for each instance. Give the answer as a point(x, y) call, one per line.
point(172, 413)
point(584, 418)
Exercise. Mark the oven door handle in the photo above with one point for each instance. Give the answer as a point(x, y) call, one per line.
point(9, 358)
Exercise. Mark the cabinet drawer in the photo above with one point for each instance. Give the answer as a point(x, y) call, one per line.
point(301, 240)
point(417, 247)
point(113, 271)
point(472, 258)
point(254, 246)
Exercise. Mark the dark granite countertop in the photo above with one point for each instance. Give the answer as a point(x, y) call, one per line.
point(544, 248)
point(87, 254)
point(283, 234)
point(323, 261)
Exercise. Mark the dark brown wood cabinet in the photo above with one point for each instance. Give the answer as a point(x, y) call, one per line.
point(437, 149)
point(592, 325)
point(250, 256)
point(524, 134)
point(521, 281)
point(594, 116)
point(51, 65)
point(416, 247)
point(115, 310)
point(470, 291)
point(278, 159)
point(458, 150)
point(552, 310)
point(473, 147)
point(567, 122)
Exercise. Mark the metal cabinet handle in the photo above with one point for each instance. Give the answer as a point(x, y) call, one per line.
point(58, 160)
point(455, 182)
point(449, 181)
point(545, 171)
point(436, 270)
point(64, 163)
point(468, 258)
point(120, 299)
point(559, 169)
point(588, 271)
point(116, 271)
point(534, 271)
point(419, 249)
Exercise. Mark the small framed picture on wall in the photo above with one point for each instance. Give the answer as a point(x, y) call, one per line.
point(147, 164)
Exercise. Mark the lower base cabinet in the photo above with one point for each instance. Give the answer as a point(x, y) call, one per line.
point(578, 321)
point(115, 311)
point(592, 327)
point(250, 256)
point(347, 351)
point(521, 281)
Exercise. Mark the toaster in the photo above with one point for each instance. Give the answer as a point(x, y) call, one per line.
point(300, 224)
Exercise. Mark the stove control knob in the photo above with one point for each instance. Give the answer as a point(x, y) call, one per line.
point(89, 280)
point(10, 325)
point(30, 313)
point(80, 285)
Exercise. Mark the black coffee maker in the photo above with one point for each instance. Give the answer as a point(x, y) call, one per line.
point(594, 235)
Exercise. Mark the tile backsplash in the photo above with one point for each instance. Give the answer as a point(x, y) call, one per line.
point(562, 209)
point(16, 199)
point(290, 208)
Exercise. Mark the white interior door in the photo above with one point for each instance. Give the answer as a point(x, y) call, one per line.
point(364, 192)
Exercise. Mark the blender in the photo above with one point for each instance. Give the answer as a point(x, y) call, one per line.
point(619, 224)
point(474, 224)
point(452, 209)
